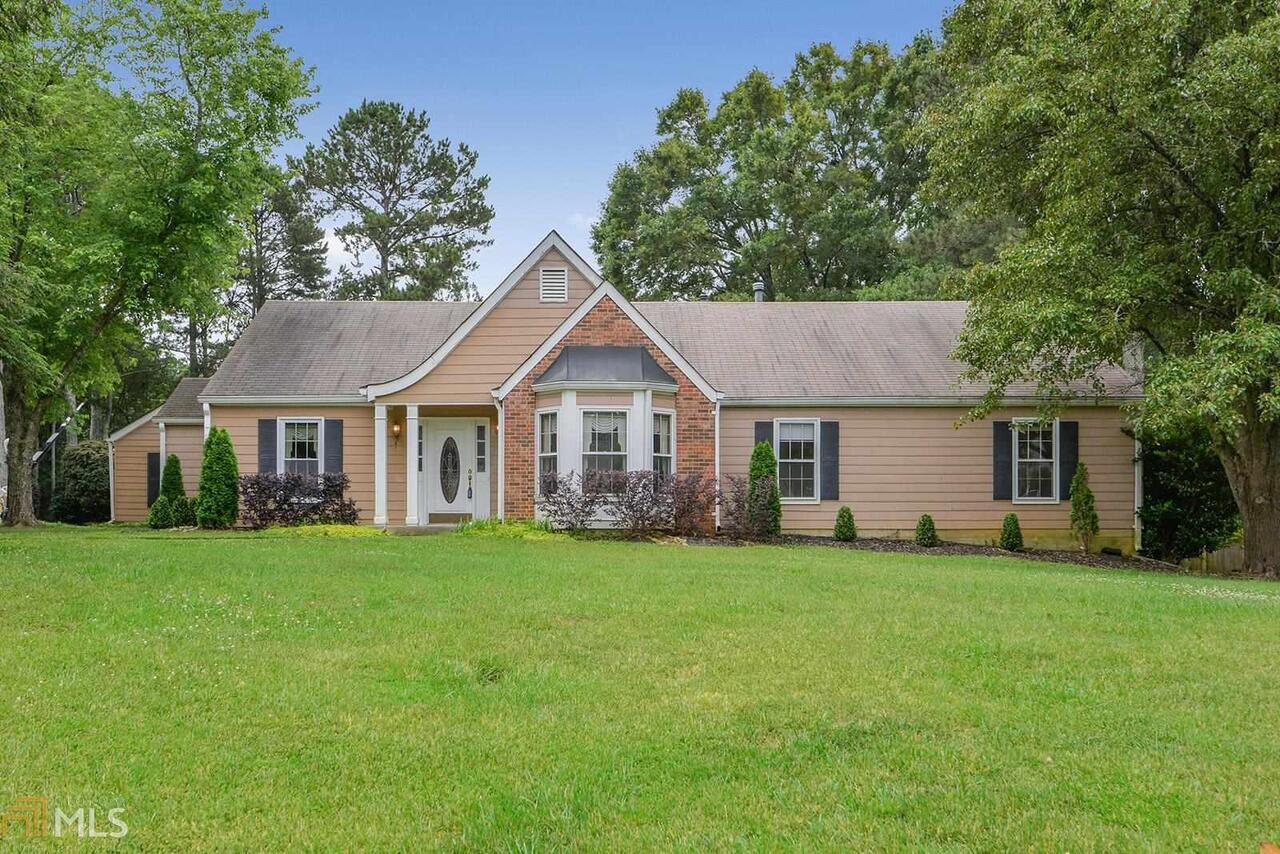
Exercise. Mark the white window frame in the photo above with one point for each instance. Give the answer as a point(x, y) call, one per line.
point(482, 447)
point(1056, 461)
point(542, 288)
point(538, 453)
point(280, 443)
point(653, 452)
point(817, 458)
point(583, 452)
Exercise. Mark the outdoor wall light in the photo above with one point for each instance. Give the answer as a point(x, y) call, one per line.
point(395, 431)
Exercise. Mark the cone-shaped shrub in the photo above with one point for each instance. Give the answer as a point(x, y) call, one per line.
point(171, 486)
point(926, 533)
point(845, 530)
point(1011, 534)
point(1084, 513)
point(763, 475)
point(217, 505)
point(161, 513)
point(184, 512)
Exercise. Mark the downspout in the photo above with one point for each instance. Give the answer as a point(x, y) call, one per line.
point(502, 461)
point(208, 419)
point(111, 476)
point(1137, 495)
point(717, 453)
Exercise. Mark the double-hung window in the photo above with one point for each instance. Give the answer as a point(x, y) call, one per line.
point(301, 452)
point(663, 458)
point(548, 426)
point(1035, 465)
point(604, 447)
point(797, 459)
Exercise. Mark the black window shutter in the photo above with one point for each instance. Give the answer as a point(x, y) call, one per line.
point(153, 477)
point(764, 432)
point(1001, 461)
point(266, 445)
point(830, 451)
point(1068, 455)
point(333, 444)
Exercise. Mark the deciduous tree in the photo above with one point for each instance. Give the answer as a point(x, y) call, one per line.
point(1137, 144)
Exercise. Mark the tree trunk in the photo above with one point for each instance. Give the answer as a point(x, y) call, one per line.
point(193, 353)
point(1252, 463)
point(4, 435)
point(97, 424)
point(23, 440)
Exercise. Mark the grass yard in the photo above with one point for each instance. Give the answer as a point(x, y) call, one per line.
point(260, 692)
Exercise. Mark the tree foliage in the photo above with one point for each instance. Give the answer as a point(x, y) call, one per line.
point(411, 200)
point(1084, 512)
point(1187, 505)
point(284, 255)
point(84, 485)
point(810, 186)
point(1137, 144)
point(137, 137)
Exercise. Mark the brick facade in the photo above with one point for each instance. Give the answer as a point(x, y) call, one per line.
point(605, 324)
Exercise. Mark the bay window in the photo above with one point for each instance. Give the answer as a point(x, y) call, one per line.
point(604, 442)
point(663, 458)
point(547, 445)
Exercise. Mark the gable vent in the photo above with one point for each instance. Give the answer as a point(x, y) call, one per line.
point(554, 284)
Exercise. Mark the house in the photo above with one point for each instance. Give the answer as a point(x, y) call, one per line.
point(442, 411)
point(136, 453)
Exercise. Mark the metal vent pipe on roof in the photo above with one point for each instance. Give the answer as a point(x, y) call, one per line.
point(758, 289)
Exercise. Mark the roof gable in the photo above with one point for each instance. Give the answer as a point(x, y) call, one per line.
point(552, 242)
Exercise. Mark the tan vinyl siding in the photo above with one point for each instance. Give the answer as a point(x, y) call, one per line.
point(130, 460)
point(499, 343)
point(241, 422)
point(547, 399)
point(605, 398)
point(187, 441)
point(899, 462)
point(664, 401)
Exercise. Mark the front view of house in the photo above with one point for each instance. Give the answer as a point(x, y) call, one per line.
point(445, 411)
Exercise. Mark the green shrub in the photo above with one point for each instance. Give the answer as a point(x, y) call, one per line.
point(217, 505)
point(1187, 503)
point(762, 489)
point(161, 514)
point(1084, 514)
point(171, 486)
point(926, 532)
point(184, 512)
point(845, 531)
point(1011, 534)
point(84, 484)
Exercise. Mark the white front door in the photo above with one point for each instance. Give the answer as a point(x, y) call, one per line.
point(448, 465)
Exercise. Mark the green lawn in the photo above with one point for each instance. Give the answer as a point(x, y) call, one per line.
point(256, 692)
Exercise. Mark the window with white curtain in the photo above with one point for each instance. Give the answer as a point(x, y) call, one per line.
point(301, 447)
point(797, 459)
point(604, 441)
point(662, 455)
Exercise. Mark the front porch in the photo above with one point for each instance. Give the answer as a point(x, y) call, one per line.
point(434, 466)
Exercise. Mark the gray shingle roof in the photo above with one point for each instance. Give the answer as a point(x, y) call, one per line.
point(605, 364)
point(182, 401)
point(832, 350)
point(826, 349)
point(329, 349)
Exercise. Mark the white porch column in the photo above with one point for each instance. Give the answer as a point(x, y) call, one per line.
point(411, 473)
point(380, 465)
point(164, 446)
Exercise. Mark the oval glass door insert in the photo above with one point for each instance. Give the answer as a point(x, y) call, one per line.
point(450, 469)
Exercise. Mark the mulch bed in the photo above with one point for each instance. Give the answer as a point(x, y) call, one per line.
point(874, 544)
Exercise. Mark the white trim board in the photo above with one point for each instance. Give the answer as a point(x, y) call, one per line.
point(129, 428)
point(552, 241)
point(624, 305)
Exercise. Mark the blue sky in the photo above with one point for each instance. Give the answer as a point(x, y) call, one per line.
point(554, 95)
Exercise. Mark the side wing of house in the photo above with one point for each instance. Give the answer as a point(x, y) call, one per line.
point(135, 469)
point(891, 464)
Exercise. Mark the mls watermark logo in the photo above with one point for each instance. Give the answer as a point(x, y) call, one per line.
point(29, 817)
